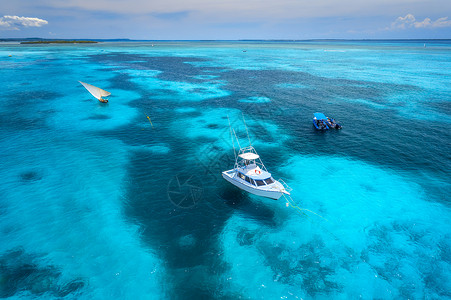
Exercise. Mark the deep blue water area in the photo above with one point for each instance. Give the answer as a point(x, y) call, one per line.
point(98, 202)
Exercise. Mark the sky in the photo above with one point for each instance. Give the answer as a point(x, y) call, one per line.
point(226, 19)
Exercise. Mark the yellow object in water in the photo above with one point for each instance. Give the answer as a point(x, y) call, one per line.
point(149, 120)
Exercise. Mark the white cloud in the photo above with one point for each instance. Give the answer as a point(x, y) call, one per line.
point(15, 22)
point(403, 22)
point(442, 22)
point(409, 21)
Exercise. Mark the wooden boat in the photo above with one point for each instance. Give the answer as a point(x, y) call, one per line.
point(98, 93)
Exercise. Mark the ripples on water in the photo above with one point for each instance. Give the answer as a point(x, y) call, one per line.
point(92, 205)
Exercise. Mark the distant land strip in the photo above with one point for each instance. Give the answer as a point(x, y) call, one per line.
point(59, 42)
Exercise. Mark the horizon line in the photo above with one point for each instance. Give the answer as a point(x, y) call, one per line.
point(213, 40)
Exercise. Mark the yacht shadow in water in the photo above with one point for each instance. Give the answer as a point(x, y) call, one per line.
point(240, 201)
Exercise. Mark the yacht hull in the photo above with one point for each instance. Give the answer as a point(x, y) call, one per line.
point(272, 194)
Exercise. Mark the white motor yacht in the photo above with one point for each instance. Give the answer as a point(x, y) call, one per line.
point(250, 174)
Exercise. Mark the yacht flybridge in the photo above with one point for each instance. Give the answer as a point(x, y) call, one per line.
point(251, 175)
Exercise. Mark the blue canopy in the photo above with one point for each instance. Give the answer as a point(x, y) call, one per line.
point(320, 116)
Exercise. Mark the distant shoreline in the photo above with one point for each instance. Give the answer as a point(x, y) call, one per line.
point(59, 42)
point(44, 41)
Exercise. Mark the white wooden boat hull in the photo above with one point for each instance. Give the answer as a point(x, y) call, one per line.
point(267, 193)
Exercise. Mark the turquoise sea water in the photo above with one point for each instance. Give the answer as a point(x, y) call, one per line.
point(95, 203)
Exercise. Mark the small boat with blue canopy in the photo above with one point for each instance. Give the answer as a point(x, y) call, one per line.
point(333, 124)
point(320, 121)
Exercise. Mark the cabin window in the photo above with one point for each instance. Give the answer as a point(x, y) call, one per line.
point(269, 180)
point(248, 180)
point(259, 182)
point(253, 181)
point(241, 176)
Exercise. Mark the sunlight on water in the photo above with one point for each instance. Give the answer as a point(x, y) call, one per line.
point(378, 232)
point(125, 200)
